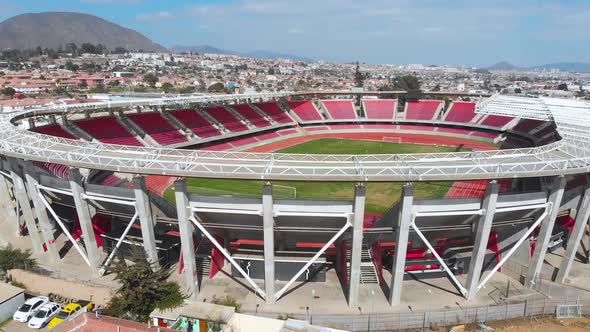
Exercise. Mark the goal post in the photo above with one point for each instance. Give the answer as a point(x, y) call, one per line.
point(281, 191)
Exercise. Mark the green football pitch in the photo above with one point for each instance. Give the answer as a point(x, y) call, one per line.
point(380, 196)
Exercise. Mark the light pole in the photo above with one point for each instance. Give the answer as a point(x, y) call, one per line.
point(311, 315)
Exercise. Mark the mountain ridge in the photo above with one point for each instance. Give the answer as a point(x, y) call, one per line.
point(55, 29)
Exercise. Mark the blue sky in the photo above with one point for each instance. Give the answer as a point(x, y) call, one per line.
point(476, 32)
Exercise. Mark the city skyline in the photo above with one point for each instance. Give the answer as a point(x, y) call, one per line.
point(473, 33)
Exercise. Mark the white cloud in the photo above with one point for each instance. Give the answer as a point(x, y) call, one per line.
point(295, 31)
point(157, 16)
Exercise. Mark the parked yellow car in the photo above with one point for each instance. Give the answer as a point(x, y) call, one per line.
point(69, 312)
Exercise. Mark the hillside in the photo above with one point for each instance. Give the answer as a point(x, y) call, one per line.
point(56, 29)
point(257, 54)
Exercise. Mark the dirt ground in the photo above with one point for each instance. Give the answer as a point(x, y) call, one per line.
point(541, 324)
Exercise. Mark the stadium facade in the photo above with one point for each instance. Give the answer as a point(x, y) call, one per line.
point(85, 171)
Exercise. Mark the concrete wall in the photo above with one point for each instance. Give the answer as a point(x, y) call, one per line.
point(14, 299)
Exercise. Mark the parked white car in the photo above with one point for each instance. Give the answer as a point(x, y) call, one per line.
point(29, 308)
point(42, 317)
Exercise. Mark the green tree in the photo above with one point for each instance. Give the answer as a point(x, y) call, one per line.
point(359, 76)
point(142, 290)
point(11, 258)
point(562, 86)
point(406, 83)
point(83, 84)
point(167, 87)
point(8, 91)
point(71, 66)
point(216, 87)
point(151, 79)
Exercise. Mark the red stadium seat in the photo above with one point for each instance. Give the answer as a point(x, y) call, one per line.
point(251, 115)
point(460, 112)
point(158, 128)
point(196, 122)
point(305, 110)
point(340, 109)
point(228, 120)
point(380, 109)
point(422, 109)
point(108, 130)
point(275, 112)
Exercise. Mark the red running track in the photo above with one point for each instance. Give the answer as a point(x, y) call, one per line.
point(404, 138)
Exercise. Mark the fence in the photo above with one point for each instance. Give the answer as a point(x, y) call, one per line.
point(446, 318)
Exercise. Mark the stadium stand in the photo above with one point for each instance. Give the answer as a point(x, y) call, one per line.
point(275, 112)
point(380, 126)
point(380, 109)
point(251, 115)
point(54, 130)
point(108, 130)
point(196, 122)
point(413, 127)
point(57, 131)
point(527, 125)
point(545, 131)
point(495, 121)
point(340, 109)
point(423, 109)
point(305, 110)
point(460, 111)
point(346, 126)
point(228, 120)
point(158, 128)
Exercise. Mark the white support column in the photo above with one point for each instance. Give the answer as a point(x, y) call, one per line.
point(6, 200)
point(269, 243)
point(482, 235)
point(575, 238)
point(41, 212)
point(187, 243)
point(85, 218)
point(402, 231)
point(354, 280)
point(146, 220)
point(20, 192)
point(554, 200)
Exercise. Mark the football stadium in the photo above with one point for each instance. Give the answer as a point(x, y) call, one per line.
point(273, 191)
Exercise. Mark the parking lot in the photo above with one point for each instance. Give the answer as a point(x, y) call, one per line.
point(15, 326)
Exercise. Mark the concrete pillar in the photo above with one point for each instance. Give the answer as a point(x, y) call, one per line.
point(41, 212)
point(555, 196)
point(402, 230)
point(147, 221)
point(85, 217)
point(269, 243)
point(575, 238)
point(187, 229)
point(357, 245)
point(20, 192)
point(482, 235)
point(6, 200)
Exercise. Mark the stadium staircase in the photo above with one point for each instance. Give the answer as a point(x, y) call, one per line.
point(176, 124)
point(76, 131)
point(136, 131)
point(203, 258)
point(213, 121)
point(240, 117)
point(368, 272)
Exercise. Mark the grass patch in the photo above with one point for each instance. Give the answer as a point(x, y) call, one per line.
point(380, 196)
